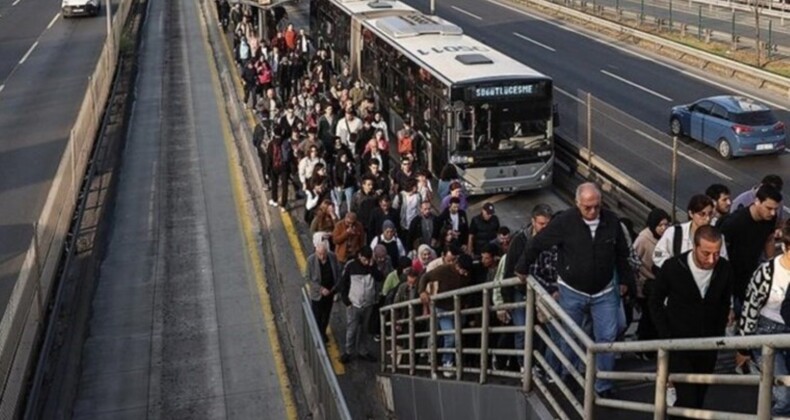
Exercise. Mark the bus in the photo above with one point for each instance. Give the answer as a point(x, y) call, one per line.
point(477, 109)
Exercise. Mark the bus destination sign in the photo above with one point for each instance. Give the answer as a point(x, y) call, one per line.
point(503, 92)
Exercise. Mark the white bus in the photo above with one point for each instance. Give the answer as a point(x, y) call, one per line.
point(478, 109)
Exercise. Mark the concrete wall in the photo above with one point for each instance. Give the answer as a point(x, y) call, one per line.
point(417, 398)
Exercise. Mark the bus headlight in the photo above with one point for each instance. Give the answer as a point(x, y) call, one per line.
point(459, 160)
point(544, 153)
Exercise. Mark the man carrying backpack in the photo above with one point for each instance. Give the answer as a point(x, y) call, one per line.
point(280, 154)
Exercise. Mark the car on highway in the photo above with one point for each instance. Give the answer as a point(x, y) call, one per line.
point(71, 8)
point(734, 125)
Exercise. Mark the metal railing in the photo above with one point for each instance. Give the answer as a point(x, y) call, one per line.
point(410, 345)
point(329, 396)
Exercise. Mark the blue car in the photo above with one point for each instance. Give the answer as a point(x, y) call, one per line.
point(734, 125)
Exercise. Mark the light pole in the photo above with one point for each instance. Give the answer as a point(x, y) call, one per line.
point(433, 7)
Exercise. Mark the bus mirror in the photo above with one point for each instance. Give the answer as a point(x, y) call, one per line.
point(556, 115)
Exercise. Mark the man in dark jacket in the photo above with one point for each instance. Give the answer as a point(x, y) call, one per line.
point(691, 298)
point(453, 218)
point(359, 292)
point(381, 214)
point(323, 276)
point(592, 254)
point(421, 228)
point(260, 141)
point(364, 201)
point(249, 78)
point(280, 155)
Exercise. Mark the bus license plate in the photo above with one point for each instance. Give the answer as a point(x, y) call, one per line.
point(768, 146)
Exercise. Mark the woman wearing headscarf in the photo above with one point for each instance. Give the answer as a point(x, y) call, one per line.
point(644, 245)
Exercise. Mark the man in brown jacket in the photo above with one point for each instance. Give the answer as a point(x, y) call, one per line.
point(349, 237)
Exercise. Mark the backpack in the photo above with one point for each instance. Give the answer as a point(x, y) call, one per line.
point(265, 76)
point(405, 145)
point(277, 158)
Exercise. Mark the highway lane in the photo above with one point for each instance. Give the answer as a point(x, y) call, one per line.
point(16, 39)
point(38, 104)
point(642, 85)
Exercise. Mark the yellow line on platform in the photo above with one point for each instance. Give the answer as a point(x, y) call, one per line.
point(246, 228)
point(332, 348)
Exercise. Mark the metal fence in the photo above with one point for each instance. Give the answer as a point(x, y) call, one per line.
point(730, 27)
point(329, 396)
point(410, 345)
point(22, 322)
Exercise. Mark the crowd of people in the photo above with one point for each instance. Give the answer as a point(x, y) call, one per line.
point(378, 239)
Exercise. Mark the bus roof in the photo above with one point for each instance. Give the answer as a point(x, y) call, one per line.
point(372, 8)
point(441, 48)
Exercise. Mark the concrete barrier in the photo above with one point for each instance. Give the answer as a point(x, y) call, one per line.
point(22, 322)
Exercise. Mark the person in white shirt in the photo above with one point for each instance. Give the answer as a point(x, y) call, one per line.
point(700, 210)
point(348, 129)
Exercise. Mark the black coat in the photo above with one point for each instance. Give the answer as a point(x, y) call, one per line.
point(686, 313)
point(585, 263)
point(443, 221)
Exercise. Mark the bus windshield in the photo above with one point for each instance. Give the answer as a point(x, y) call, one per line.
point(502, 126)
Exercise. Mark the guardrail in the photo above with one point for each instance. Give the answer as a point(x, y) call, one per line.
point(768, 8)
point(410, 345)
point(763, 79)
point(329, 396)
point(22, 322)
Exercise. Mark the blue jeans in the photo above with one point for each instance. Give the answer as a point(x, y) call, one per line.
point(519, 318)
point(338, 195)
point(781, 394)
point(446, 323)
point(603, 312)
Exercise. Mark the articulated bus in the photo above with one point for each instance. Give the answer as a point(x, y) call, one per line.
point(478, 109)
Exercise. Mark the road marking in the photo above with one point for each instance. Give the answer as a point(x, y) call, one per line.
point(332, 348)
point(52, 22)
point(636, 85)
point(458, 9)
point(27, 54)
point(15, 3)
point(534, 42)
point(568, 94)
point(245, 227)
point(684, 154)
point(2, 87)
point(643, 56)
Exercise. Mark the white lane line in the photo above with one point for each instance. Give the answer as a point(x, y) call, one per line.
point(680, 153)
point(52, 22)
point(15, 3)
point(534, 42)
point(644, 57)
point(568, 94)
point(2, 87)
point(458, 9)
point(636, 85)
point(27, 54)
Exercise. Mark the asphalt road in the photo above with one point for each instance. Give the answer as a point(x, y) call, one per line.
point(639, 87)
point(44, 66)
point(179, 326)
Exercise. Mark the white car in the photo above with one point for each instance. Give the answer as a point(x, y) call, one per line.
point(80, 7)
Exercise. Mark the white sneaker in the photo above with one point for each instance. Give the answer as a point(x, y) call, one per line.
point(448, 373)
point(272, 203)
point(672, 396)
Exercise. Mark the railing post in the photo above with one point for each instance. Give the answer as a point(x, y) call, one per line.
point(662, 374)
point(766, 383)
point(589, 386)
point(383, 346)
point(412, 354)
point(459, 364)
point(529, 326)
point(434, 339)
point(484, 336)
point(393, 342)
